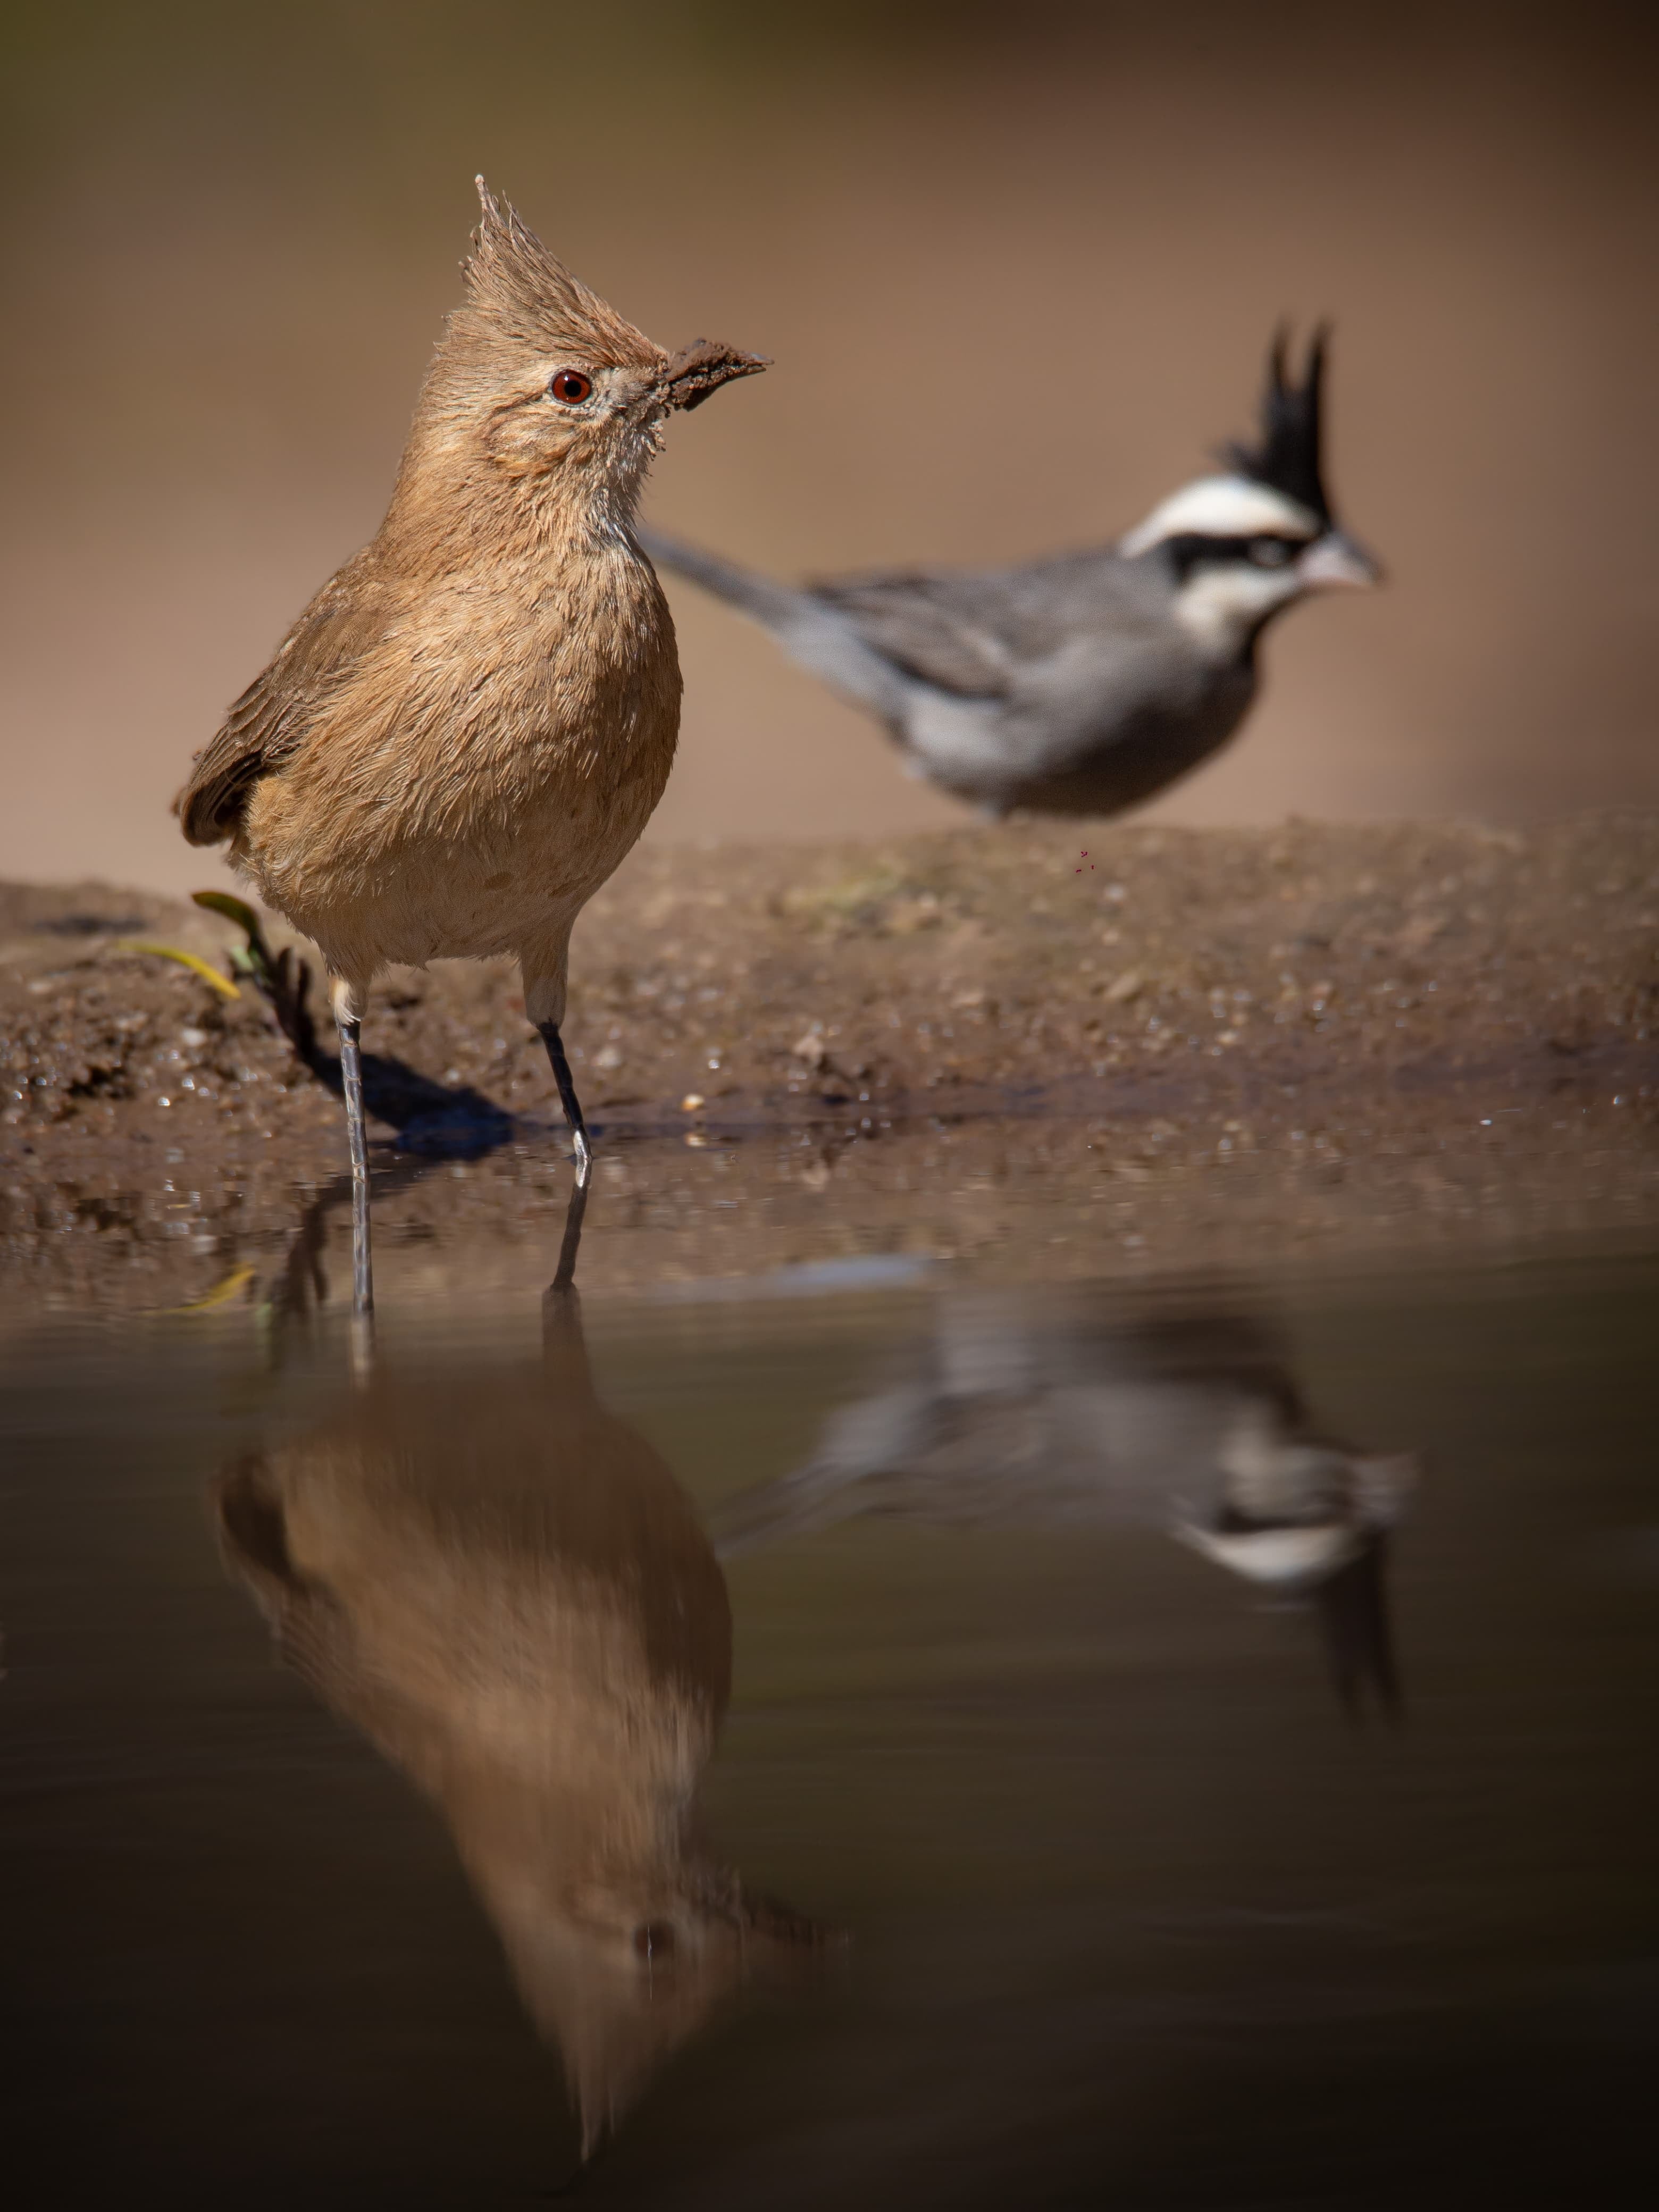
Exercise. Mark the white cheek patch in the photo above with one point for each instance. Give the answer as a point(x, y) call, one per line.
point(1219, 607)
point(1221, 507)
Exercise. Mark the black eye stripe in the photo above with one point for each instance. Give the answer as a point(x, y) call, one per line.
point(1190, 550)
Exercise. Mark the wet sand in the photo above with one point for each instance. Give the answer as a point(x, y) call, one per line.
point(1183, 1047)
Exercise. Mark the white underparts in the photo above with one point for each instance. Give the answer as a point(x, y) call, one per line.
point(1220, 607)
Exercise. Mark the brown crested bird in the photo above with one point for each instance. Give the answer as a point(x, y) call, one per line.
point(467, 729)
point(505, 1589)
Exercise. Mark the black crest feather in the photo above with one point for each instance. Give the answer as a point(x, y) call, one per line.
point(1287, 458)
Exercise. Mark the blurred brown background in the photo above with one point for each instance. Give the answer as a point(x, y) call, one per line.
point(1016, 269)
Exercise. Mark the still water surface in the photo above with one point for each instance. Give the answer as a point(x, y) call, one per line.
point(888, 1744)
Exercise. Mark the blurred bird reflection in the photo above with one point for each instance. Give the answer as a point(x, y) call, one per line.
point(1042, 1413)
point(503, 1586)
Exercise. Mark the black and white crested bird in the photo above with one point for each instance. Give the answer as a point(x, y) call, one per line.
point(1053, 1411)
point(1086, 682)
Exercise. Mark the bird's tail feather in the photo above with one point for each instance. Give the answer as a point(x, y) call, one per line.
point(759, 596)
point(818, 636)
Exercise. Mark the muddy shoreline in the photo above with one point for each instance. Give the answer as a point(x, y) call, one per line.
point(1177, 1048)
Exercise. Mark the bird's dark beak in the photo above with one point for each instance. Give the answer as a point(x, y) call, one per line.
point(701, 367)
point(1337, 563)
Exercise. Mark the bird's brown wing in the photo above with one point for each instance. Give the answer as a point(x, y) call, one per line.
point(942, 629)
point(268, 724)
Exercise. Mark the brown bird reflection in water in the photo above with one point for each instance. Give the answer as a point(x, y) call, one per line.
point(504, 1587)
point(1041, 1412)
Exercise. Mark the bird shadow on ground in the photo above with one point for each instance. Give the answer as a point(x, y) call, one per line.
point(431, 1123)
point(436, 1121)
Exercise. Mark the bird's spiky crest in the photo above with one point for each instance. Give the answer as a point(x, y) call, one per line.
point(517, 290)
point(1288, 458)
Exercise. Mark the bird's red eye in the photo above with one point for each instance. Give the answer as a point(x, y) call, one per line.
point(571, 386)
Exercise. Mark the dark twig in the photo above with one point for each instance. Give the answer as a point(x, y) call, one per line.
point(281, 979)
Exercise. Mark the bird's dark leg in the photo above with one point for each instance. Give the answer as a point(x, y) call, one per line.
point(565, 1274)
point(351, 1082)
point(569, 1100)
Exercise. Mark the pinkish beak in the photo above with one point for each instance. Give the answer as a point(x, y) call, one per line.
point(1336, 563)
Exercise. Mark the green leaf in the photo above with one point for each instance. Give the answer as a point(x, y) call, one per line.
point(232, 908)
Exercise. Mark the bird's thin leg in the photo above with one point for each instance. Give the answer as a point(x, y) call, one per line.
point(351, 1081)
point(569, 1100)
point(565, 1274)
